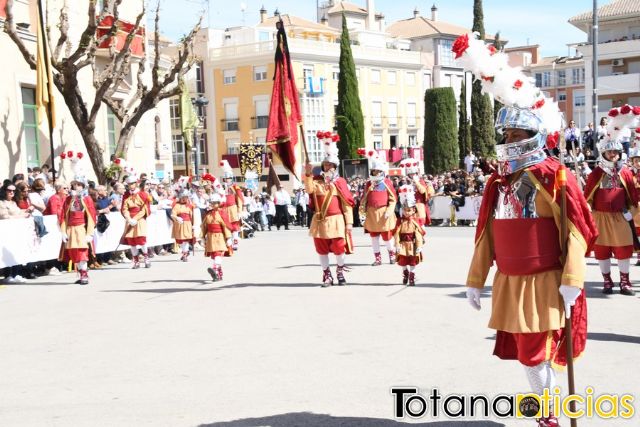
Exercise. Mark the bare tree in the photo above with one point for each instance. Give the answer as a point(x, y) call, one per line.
point(107, 78)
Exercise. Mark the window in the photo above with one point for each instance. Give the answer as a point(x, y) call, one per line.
point(377, 142)
point(392, 110)
point(260, 73)
point(199, 78)
point(30, 126)
point(538, 79)
point(202, 150)
point(391, 77)
point(229, 76)
point(233, 146)
point(562, 96)
point(445, 55)
point(375, 76)
point(413, 140)
point(178, 149)
point(336, 74)
point(546, 78)
point(262, 114)
point(231, 122)
point(426, 81)
point(562, 78)
point(174, 112)
point(578, 76)
point(578, 100)
point(411, 79)
point(605, 104)
point(411, 115)
point(376, 114)
point(112, 130)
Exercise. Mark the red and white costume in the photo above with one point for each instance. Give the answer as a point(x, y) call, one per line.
point(77, 222)
point(136, 207)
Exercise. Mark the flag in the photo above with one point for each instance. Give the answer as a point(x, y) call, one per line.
point(272, 178)
point(44, 78)
point(188, 117)
point(284, 113)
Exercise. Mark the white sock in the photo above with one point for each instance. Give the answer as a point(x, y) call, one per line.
point(623, 265)
point(144, 249)
point(82, 265)
point(217, 261)
point(411, 268)
point(184, 247)
point(134, 251)
point(375, 244)
point(540, 377)
point(341, 259)
point(605, 266)
point(324, 261)
point(390, 245)
point(236, 236)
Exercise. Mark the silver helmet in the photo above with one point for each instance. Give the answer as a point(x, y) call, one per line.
point(609, 145)
point(524, 153)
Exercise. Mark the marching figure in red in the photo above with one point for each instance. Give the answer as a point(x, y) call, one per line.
point(183, 229)
point(611, 192)
point(539, 279)
point(634, 158)
point(233, 203)
point(378, 204)
point(217, 236)
point(77, 223)
point(423, 191)
point(333, 204)
point(409, 236)
point(136, 207)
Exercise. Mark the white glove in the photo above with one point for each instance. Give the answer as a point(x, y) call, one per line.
point(627, 216)
point(230, 242)
point(418, 250)
point(386, 215)
point(473, 296)
point(89, 238)
point(65, 238)
point(569, 295)
point(416, 179)
point(133, 222)
point(180, 220)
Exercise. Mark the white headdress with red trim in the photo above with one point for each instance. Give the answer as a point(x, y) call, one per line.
point(376, 160)
point(407, 196)
point(410, 165)
point(76, 165)
point(621, 121)
point(329, 143)
point(227, 170)
point(215, 183)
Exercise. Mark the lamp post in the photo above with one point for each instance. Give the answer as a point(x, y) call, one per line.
point(198, 102)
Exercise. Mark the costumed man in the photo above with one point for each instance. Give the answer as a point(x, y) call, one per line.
point(611, 192)
point(378, 206)
point(423, 191)
point(233, 203)
point(634, 158)
point(136, 207)
point(217, 235)
point(183, 231)
point(332, 203)
point(409, 236)
point(77, 223)
point(535, 284)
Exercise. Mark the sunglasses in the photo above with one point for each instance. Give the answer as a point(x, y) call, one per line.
point(9, 190)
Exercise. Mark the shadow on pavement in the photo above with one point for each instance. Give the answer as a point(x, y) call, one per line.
point(308, 419)
point(164, 290)
point(318, 265)
point(271, 285)
point(606, 336)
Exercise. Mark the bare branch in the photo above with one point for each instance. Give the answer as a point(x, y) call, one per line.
point(156, 45)
point(10, 29)
point(63, 27)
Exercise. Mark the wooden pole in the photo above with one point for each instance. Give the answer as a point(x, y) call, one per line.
point(45, 49)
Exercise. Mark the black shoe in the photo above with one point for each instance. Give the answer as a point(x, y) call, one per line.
point(213, 273)
point(286, 228)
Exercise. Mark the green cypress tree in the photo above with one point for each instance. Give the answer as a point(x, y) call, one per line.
point(440, 130)
point(482, 131)
point(349, 111)
point(464, 129)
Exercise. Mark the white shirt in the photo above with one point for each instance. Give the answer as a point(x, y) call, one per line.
point(468, 161)
point(269, 207)
point(282, 198)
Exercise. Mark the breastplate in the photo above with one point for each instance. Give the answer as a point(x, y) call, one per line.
point(609, 182)
point(517, 200)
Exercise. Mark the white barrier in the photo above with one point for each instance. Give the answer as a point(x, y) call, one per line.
point(20, 245)
point(441, 208)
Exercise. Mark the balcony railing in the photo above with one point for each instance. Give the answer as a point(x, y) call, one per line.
point(229, 125)
point(260, 122)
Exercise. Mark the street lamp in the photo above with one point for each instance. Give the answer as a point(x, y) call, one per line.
point(198, 102)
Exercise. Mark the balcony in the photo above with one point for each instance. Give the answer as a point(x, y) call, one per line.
point(259, 122)
point(137, 46)
point(230, 125)
point(617, 84)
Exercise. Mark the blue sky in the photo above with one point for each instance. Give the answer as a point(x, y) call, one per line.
point(542, 22)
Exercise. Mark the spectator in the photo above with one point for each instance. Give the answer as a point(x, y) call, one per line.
point(35, 197)
point(589, 137)
point(270, 210)
point(282, 202)
point(301, 202)
point(54, 204)
point(572, 136)
point(601, 132)
point(469, 161)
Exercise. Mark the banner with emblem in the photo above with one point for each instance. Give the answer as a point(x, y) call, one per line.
point(251, 157)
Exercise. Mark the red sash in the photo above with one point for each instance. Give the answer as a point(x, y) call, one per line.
point(185, 216)
point(406, 237)
point(526, 246)
point(214, 228)
point(134, 210)
point(76, 218)
point(230, 200)
point(609, 200)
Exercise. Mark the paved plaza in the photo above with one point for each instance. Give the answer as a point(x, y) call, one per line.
point(269, 347)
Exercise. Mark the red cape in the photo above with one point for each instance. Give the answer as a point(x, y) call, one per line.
point(593, 181)
point(341, 186)
point(144, 196)
point(88, 204)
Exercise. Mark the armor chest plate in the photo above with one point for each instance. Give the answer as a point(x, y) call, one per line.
point(608, 182)
point(518, 200)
